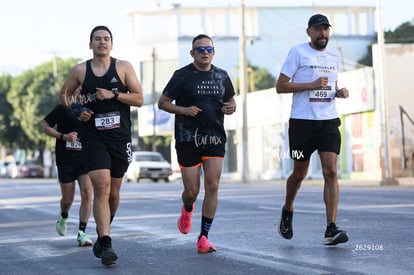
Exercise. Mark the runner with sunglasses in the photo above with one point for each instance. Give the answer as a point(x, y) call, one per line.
point(203, 94)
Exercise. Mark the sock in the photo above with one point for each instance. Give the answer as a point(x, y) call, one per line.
point(64, 215)
point(205, 226)
point(105, 241)
point(82, 226)
point(188, 207)
point(331, 225)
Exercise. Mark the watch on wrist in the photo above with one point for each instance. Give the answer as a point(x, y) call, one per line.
point(116, 93)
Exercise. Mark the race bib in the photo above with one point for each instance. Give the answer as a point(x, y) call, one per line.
point(324, 94)
point(108, 121)
point(73, 146)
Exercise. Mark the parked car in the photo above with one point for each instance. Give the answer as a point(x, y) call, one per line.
point(148, 165)
point(8, 169)
point(3, 170)
point(30, 169)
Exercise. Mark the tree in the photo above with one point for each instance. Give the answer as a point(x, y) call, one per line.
point(9, 128)
point(32, 95)
point(402, 34)
point(262, 79)
point(258, 79)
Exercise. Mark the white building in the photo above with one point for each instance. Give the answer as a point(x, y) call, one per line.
point(165, 34)
point(161, 41)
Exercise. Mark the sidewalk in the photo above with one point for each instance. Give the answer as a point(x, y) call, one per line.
point(357, 182)
point(402, 182)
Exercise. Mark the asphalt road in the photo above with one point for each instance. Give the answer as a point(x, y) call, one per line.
point(379, 222)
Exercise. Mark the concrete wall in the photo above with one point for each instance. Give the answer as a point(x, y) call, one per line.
point(398, 73)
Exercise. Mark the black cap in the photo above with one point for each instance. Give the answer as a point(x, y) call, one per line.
point(318, 19)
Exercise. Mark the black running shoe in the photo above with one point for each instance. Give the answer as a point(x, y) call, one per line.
point(109, 256)
point(285, 224)
point(105, 251)
point(97, 249)
point(334, 236)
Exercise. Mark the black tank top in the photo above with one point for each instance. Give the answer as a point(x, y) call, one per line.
point(111, 121)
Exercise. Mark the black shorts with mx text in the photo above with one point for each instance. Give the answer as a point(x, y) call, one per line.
point(188, 154)
point(306, 136)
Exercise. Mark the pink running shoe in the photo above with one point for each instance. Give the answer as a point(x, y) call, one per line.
point(204, 246)
point(184, 222)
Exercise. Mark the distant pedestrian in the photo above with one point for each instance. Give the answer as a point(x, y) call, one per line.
point(62, 125)
point(310, 72)
point(202, 95)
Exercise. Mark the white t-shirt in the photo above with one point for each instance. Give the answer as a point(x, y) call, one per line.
point(304, 64)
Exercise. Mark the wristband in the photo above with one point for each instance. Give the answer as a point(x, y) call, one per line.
point(77, 109)
point(61, 136)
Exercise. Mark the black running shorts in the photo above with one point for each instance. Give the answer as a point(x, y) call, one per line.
point(114, 156)
point(70, 173)
point(188, 154)
point(306, 136)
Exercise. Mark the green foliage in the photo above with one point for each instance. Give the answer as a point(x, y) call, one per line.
point(258, 79)
point(9, 130)
point(31, 96)
point(262, 79)
point(402, 34)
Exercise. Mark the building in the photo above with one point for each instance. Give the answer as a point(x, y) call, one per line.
point(161, 40)
point(399, 109)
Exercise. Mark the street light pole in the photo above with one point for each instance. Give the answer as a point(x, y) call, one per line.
point(388, 178)
point(55, 66)
point(154, 121)
point(243, 93)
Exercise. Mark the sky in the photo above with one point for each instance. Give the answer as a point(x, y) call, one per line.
point(33, 32)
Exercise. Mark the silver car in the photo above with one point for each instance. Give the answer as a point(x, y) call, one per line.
point(148, 165)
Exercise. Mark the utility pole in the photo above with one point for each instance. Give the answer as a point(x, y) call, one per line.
point(55, 66)
point(388, 178)
point(154, 121)
point(243, 94)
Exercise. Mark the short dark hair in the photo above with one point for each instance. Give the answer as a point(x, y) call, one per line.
point(201, 36)
point(99, 28)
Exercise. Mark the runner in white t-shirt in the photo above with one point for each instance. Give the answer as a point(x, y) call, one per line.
point(310, 73)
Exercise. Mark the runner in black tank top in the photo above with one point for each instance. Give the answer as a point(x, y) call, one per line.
point(111, 121)
point(109, 87)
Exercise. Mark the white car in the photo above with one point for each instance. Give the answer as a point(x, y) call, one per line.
point(148, 165)
point(8, 169)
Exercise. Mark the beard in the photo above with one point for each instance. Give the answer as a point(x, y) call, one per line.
point(319, 44)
